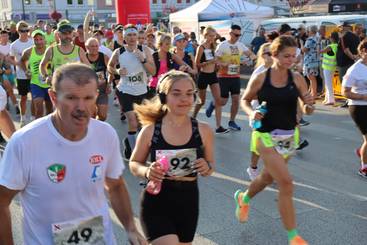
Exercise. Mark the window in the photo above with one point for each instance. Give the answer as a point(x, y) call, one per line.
point(70, 2)
point(154, 1)
point(80, 2)
point(164, 1)
point(108, 2)
point(179, 1)
point(27, 2)
point(187, 1)
point(91, 2)
point(39, 2)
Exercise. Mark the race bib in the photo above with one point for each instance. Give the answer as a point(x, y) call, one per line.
point(233, 69)
point(88, 231)
point(135, 79)
point(101, 77)
point(208, 54)
point(283, 141)
point(181, 161)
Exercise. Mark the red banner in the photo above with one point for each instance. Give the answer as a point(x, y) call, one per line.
point(133, 11)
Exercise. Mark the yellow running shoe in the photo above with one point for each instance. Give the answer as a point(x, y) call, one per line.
point(242, 208)
point(297, 240)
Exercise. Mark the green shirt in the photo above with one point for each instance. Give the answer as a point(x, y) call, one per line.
point(34, 65)
point(50, 38)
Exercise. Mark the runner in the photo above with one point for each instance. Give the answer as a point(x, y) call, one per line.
point(49, 35)
point(206, 62)
point(179, 43)
point(63, 53)
point(276, 140)
point(6, 123)
point(62, 186)
point(135, 61)
point(229, 55)
point(99, 63)
point(354, 87)
point(30, 61)
point(23, 81)
point(171, 216)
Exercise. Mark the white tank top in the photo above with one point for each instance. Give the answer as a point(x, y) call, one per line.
point(135, 82)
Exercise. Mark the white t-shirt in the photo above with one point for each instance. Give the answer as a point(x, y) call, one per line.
point(356, 78)
point(231, 54)
point(16, 50)
point(61, 180)
point(106, 51)
point(5, 49)
point(3, 98)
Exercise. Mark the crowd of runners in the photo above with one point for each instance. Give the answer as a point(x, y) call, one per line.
point(63, 157)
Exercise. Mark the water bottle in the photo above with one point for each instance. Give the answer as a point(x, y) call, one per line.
point(154, 187)
point(261, 109)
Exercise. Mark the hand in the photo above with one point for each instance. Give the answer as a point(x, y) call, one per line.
point(202, 167)
point(140, 55)
point(256, 115)
point(48, 80)
point(28, 73)
point(135, 238)
point(122, 71)
point(183, 68)
point(308, 109)
point(155, 172)
point(308, 99)
point(7, 71)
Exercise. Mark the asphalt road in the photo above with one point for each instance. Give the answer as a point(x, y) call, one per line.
point(330, 198)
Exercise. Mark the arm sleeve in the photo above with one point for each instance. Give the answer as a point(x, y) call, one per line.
point(115, 164)
point(13, 172)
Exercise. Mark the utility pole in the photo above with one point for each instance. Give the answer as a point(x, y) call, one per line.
point(23, 10)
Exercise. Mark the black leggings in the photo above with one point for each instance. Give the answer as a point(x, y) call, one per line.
point(175, 210)
point(359, 115)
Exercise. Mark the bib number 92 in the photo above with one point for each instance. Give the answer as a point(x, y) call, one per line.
point(181, 163)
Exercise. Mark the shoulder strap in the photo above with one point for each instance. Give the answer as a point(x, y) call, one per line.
point(140, 47)
point(156, 62)
point(195, 131)
point(267, 76)
point(122, 50)
point(157, 132)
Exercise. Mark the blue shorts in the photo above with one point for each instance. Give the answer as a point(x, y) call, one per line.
point(39, 92)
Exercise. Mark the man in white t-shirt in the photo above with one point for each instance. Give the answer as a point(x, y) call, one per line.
point(229, 54)
point(23, 79)
point(61, 164)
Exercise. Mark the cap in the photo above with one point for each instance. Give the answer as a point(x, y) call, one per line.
point(108, 34)
point(178, 37)
point(80, 26)
point(37, 32)
point(64, 26)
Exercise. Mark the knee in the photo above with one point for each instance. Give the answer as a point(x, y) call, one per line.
point(285, 185)
point(218, 101)
point(266, 179)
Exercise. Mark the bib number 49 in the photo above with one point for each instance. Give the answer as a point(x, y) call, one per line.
point(76, 236)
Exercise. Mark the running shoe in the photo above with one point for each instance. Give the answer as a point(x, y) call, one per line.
point(358, 152)
point(242, 208)
point(127, 150)
point(303, 122)
point(363, 172)
point(221, 130)
point(344, 105)
point(303, 144)
point(297, 240)
point(233, 126)
point(210, 109)
point(115, 101)
point(122, 116)
point(252, 172)
point(17, 110)
point(2, 140)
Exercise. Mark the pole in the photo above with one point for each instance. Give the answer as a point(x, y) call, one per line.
point(23, 9)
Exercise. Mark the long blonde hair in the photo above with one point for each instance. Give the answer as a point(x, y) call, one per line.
point(260, 60)
point(206, 32)
point(153, 110)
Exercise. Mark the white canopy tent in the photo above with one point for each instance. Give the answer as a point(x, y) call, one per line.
point(221, 14)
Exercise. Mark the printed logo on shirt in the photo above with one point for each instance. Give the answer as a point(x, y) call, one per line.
point(56, 172)
point(96, 173)
point(95, 159)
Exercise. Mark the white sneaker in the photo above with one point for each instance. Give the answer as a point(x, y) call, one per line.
point(115, 102)
point(252, 173)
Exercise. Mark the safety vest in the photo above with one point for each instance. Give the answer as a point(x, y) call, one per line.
point(329, 61)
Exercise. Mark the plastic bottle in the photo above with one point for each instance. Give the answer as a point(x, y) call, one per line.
point(154, 187)
point(261, 109)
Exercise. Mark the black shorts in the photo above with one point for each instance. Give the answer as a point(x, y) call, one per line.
point(359, 115)
point(151, 92)
point(23, 86)
point(175, 210)
point(206, 79)
point(127, 100)
point(229, 85)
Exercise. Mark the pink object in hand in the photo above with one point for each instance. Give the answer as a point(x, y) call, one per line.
point(154, 187)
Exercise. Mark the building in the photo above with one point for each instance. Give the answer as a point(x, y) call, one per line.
point(74, 10)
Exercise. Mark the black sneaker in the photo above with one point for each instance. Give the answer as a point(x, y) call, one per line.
point(303, 122)
point(303, 144)
point(221, 130)
point(2, 140)
point(344, 105)
point(122, 116)
point(17, 110)
point(127, 149)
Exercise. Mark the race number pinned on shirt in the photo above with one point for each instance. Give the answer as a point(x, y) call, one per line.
point(135, 79)
point(181, 161)
point(284, 141)
point(208, 54)
point(233, 69)
point(86, 231)
point(101, 77)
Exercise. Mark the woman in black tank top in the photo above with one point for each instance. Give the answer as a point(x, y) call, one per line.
point(277, 137)
point(99, 64)
point(189, 154)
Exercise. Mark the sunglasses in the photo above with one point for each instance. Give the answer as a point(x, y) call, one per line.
point(236, 35)
point(267, 53)
point(24, 31)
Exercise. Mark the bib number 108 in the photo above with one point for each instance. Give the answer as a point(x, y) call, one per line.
point(76, 236)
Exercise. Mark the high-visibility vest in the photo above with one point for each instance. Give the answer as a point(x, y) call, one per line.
point(329, 61)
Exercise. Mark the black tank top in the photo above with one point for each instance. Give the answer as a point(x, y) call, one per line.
point(195, 142)
point(203, 55)
point(99, 65)
point(281, 104)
